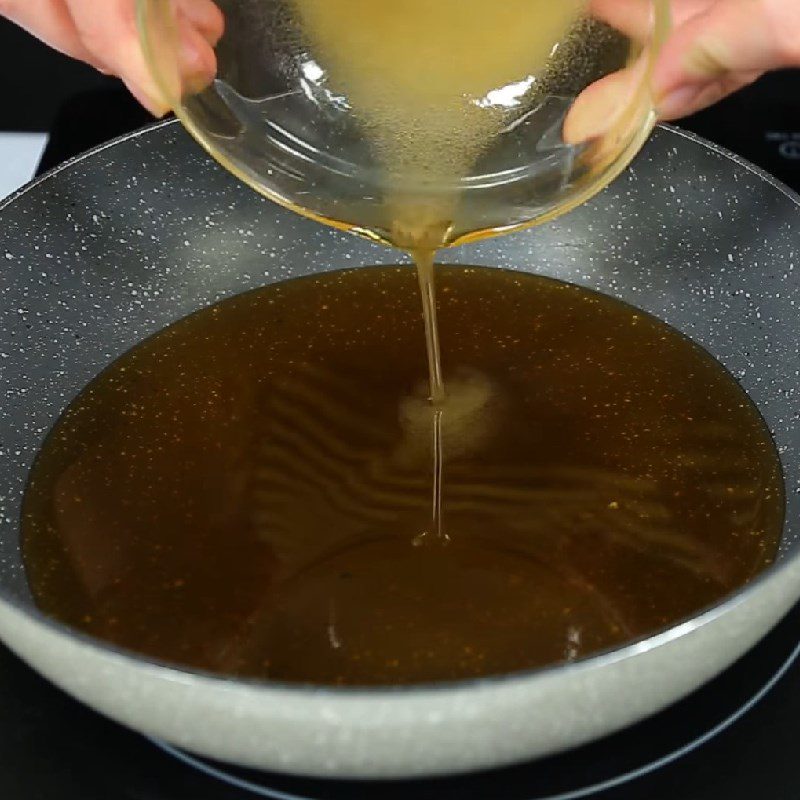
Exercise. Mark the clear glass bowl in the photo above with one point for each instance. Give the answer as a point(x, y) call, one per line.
point(307, 118)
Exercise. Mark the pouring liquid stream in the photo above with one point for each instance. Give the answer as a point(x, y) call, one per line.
point(423, 259)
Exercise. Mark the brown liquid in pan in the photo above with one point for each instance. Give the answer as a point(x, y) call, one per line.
point(250, 491)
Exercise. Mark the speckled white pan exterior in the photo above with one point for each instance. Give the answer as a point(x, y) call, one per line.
point(116, 245)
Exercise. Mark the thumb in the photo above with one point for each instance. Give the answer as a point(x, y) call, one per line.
point(722, 49)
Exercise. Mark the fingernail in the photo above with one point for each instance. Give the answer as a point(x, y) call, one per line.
point(195, 73)
point(158, 108)
point(676, 103)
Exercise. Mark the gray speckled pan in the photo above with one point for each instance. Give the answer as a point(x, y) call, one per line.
point(117, 244)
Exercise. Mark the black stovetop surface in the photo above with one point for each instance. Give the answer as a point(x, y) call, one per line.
point(52, 748)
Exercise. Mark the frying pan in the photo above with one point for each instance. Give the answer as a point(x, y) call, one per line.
point(115, 245)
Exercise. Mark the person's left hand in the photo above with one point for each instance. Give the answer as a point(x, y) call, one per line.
point(103, 33)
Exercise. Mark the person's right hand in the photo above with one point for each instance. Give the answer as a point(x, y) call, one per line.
point(714, 48)
point(103, 33)
point(719, 46)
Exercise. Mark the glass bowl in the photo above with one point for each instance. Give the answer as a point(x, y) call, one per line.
point(470, 117)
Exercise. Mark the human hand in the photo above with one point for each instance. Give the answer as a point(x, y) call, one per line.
point(715, 47)
point(103, 33)
point(719, 46)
